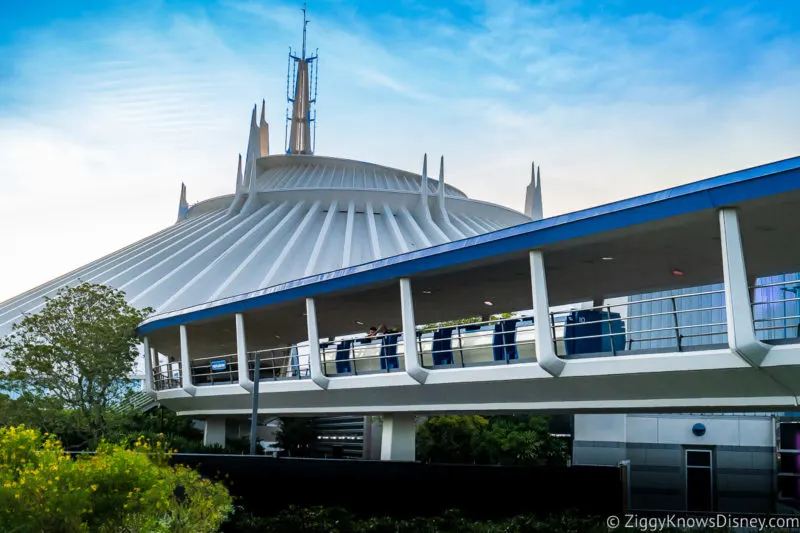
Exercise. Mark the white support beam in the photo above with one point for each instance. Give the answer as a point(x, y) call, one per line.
point(215, 432)
point(398, 437)
point(314, 356)
point(148, 366)
point(155, 365)
point(413, 366)
point(741, 330)
point(186, 366)
point(543, 333)
point(241, 355)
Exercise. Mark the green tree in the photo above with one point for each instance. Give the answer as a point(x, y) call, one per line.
point(450, 439)
point(74, 355)
point(522, 440)
point(297, 436)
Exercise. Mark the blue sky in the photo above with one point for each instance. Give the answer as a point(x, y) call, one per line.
point(107, 106)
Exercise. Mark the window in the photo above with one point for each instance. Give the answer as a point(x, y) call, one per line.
point(699, 480)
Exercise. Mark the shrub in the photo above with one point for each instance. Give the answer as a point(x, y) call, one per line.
point(327, 519)
point(118, 489)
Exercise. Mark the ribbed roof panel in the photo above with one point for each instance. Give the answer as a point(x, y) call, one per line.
point(309, 215)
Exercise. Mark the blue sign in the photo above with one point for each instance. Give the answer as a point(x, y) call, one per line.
point(699, 429)
point(217, 366)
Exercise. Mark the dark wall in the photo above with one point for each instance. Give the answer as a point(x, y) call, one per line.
point(266, 485)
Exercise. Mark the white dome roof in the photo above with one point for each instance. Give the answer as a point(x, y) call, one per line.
point(302, 215)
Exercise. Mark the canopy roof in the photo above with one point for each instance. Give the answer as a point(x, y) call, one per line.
point(647, 239)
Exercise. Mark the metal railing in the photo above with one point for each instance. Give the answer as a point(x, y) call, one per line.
point(493, 341)
point(167, 376)
point(673, 322)
point(680, 320)
point(278, 363)
point(363, 355)
point(776, 310)
point(215, 370)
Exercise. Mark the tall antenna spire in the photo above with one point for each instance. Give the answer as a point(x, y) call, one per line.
point(305, 25)
point(300, 139)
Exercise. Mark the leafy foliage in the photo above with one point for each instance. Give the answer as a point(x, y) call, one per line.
point(324, 520)
point(500, 440)
point(297, 436)
point(75, 354)
point(427, 328)
point(321, 519)
point(451, 439)
point(117, 489)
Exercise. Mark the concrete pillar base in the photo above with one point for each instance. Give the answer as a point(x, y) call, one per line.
point(214, 434)
point(398, 437)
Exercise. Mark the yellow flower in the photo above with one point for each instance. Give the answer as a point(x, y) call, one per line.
point(94, 488)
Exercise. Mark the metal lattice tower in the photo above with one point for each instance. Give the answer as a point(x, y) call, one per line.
point(300, 78)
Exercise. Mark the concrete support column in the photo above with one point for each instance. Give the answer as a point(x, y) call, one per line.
point(186, 366)
point(148, 366)
point(241, 355)
point(413, 366)
point(214, 433)
point(314, 356)
point(398, 437)
point(741, 330)
point(154, 361)
point(542, 331)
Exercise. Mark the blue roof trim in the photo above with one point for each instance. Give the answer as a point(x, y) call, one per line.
point(748, 184)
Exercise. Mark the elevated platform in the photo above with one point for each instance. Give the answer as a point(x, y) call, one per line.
point(714, 243)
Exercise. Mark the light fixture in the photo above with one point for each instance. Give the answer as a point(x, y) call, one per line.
point(426, 291)
point(359, 323)
point(608, 259)
point(677, 272)
point(487, 302)
point(277, 336)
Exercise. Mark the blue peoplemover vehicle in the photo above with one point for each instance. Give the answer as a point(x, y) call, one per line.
point(580, 332)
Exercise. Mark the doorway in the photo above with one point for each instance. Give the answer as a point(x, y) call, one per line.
point(699, 480)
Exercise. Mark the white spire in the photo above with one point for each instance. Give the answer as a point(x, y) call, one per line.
point(441, 180)
point(424, 183)
point(239, 176)
point(533, 194)
point(253, 147)
point(263, 130)
point(253, 181)
point(183, 205)
point(236, 204)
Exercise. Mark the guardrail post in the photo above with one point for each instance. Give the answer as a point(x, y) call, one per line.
point(739, 312)
point(625, 478)
point(314, 357)
point(413, 366)
point(186, 366)
point(254, 412)
point(241, 355)
point(543, 333)
point(148, 366)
